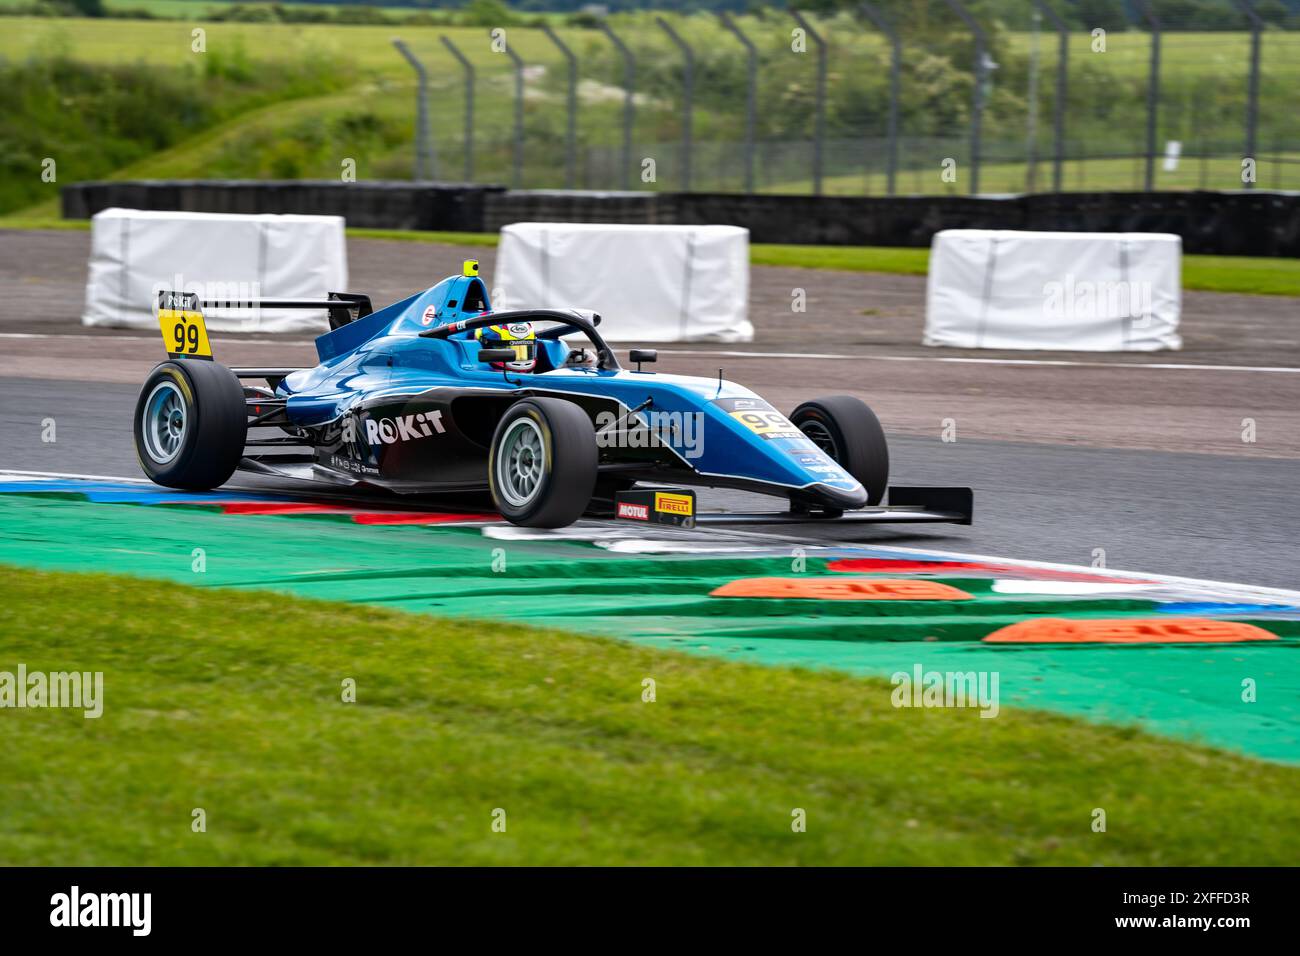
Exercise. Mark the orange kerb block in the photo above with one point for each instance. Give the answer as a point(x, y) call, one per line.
point(1186, 630)
point(842, 589)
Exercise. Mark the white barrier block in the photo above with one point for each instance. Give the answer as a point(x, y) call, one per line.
point(134, 253)
point(1073, 291)
point(649, 283)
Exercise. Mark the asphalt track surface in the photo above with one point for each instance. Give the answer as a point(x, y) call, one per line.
point(860, 334)
point(1203, 516)
point(1139, 455)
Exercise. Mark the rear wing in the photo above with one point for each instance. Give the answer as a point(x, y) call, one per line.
point(185, 333)
point(343, 307)
point(180, 319)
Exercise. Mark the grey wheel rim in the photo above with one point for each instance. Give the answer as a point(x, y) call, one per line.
point(164, 422)
point(521, 463)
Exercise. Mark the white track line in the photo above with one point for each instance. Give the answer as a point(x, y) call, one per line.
point(63, 474)
point(1291, 597)
point(820, 356)
point(1244, 590)
point(1060, 363)
point(217, 337)
point(1200, 584)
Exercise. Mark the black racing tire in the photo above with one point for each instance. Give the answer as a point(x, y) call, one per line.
point(848, 430)
point(542, 465)
point(190, 425)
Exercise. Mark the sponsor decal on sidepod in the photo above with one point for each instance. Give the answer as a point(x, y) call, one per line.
point(386, 431)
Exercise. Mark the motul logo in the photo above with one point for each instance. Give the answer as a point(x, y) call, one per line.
point(635, 512)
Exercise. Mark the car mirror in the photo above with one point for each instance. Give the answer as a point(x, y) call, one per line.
point(642, 355)
point(496, 355)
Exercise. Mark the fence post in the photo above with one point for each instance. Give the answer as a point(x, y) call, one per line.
point(1153, 90)
point(1252, 95)
point(1062, 75)
point(688, 96)
point(517, 173)
point(424, 165)
point(895, 61)
point(571, 129)
point(819, 129)
point(629, 100)
point(751, 95)
point(469, 106)
point(977, 102)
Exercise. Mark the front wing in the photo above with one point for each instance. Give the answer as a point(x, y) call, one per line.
point(907, 505)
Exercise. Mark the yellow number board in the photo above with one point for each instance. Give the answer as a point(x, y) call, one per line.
point(769, 424)
point(184, 333)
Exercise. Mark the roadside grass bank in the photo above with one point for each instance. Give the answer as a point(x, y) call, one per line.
point(231, 702)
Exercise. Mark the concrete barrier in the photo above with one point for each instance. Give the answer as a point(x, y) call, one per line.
point(1256, 222)
point(1073, 291)
point(447, 207)
point(651, 283)
point(135, 254)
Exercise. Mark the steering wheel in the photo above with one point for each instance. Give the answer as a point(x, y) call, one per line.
point(563, 319)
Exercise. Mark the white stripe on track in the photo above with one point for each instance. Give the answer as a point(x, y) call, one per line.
point(63, 474)
point(820, 356)
point(215, 336)
point(1061, 363)
point(1214, 589)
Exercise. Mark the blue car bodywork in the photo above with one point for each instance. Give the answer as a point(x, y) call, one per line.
point(401, 400)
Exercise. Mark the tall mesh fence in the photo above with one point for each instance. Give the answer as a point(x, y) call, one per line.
point(1127, 121)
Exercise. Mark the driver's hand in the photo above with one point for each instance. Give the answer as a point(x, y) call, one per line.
point(580, 357)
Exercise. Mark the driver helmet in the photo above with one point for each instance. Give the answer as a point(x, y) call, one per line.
point(516, 335)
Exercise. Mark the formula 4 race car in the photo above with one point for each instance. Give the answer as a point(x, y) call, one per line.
point(439, 394)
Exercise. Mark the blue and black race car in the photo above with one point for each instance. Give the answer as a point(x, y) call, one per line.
point(438, 393)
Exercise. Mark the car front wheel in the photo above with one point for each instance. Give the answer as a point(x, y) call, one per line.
point(543, 463)
point(847, 430)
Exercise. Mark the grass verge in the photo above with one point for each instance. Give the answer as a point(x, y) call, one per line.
point(232, 703)
point(1240, 274)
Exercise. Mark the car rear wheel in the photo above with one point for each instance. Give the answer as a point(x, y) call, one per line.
point(543, 462)
point(190, 425)
point(847, 430)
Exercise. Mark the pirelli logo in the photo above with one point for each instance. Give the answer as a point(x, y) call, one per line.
point(674, 504)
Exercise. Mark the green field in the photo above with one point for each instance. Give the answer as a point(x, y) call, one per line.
point(1280, 171)
point(1223, 56)
point(366, 113)
point(365, 49)
point(204, 708)
point(302, 100)
point(200, 9)
point(1201, 105)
